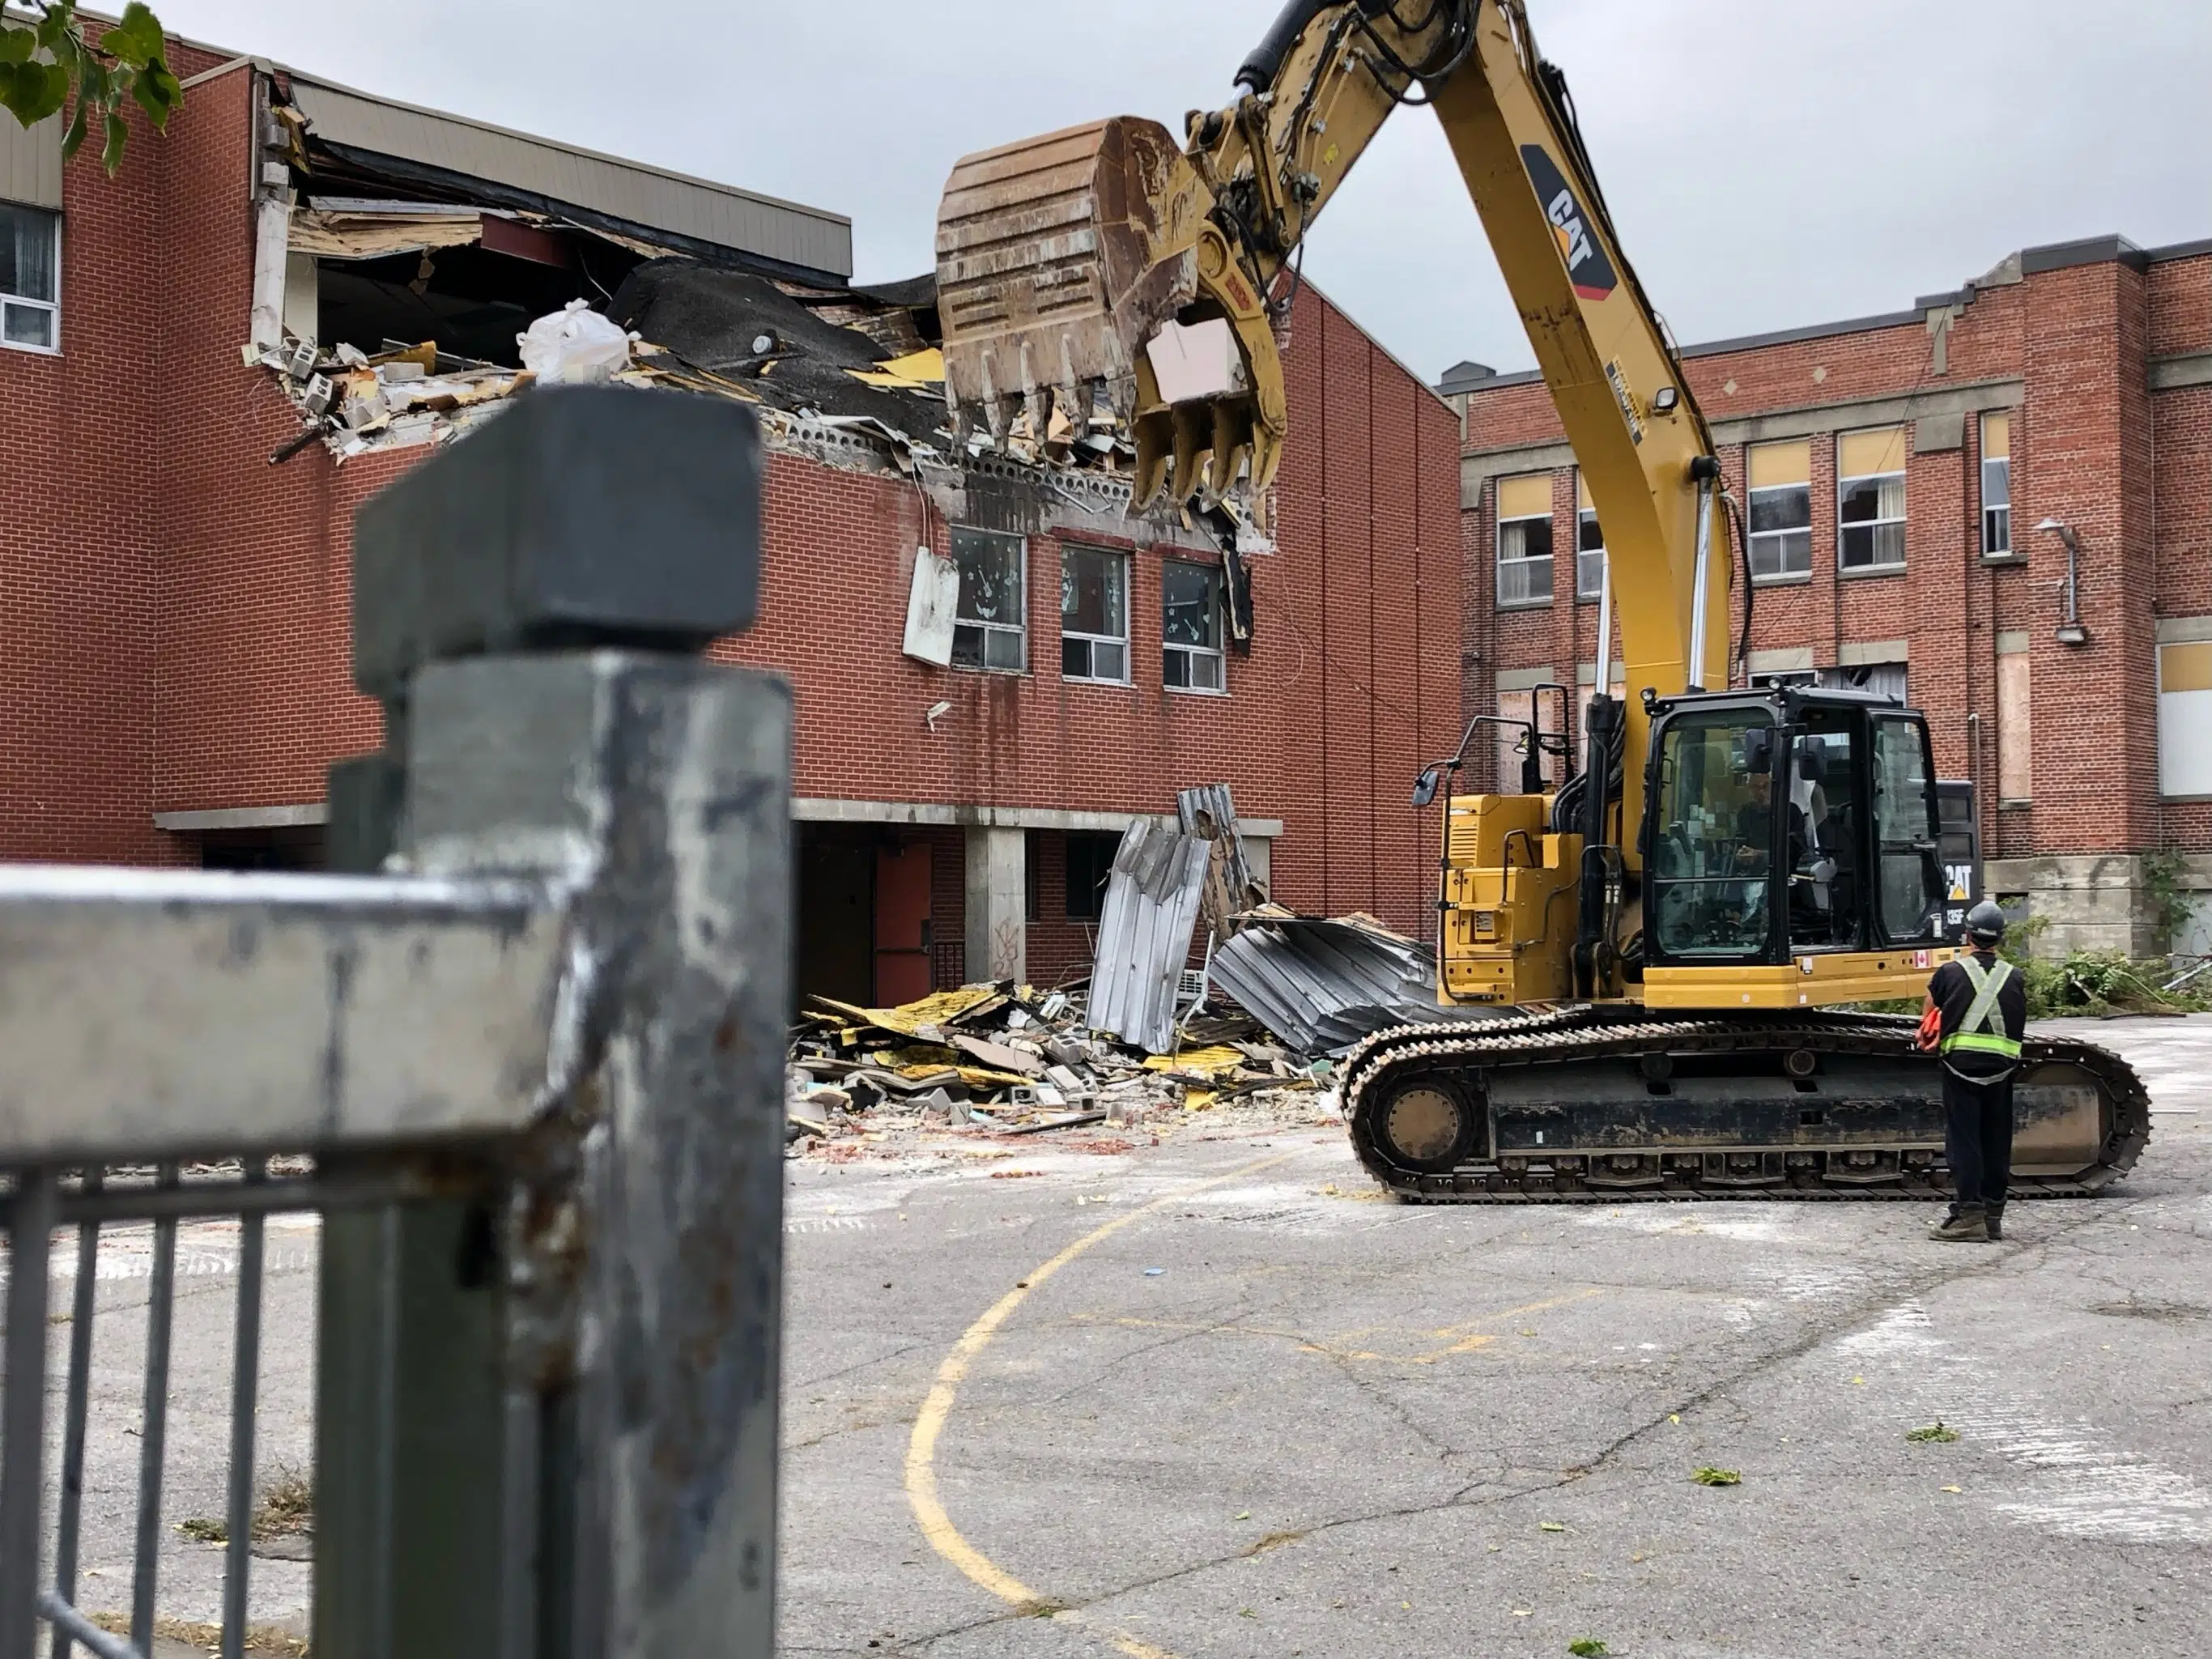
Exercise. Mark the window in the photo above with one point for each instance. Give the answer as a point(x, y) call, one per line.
point(1904, 830)
point(1781, 483)
point(2185, 713)
point(1711, 864)
point(1590, 546)
point(1884, 679)
point(1870, 499)
point(1996, 486)
point(1190, 626)
point(1089, 861)
point(30, 278)
point(1094, 615)
point(1547, 708)
point(989, 628)
point(1524, 540)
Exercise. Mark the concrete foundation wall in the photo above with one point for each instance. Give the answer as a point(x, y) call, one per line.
point(2094, 901)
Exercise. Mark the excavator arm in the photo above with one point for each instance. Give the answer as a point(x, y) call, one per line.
point(1103, 275)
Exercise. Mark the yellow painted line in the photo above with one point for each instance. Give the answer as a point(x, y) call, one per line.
point(922, 1449)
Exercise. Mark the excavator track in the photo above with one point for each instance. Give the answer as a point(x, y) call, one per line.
point(1606, 1104)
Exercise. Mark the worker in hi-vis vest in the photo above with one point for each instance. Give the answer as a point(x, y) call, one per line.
point(1981, 1005)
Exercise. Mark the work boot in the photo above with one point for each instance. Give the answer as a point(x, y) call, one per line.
point(1993, 1219)
point(1967, 1224)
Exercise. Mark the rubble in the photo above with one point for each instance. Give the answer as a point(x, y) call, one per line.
point(1147, 1042)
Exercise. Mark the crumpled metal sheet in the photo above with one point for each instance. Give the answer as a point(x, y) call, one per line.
point(1143, 933)
point(1321, 986)
point(1212, 800)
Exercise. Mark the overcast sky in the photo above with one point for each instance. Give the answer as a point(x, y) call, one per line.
point(1769, 162)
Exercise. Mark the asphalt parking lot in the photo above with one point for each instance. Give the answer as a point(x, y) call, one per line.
point(1218, 1397)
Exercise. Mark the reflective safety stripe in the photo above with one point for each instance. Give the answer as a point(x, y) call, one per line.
point(1982, 1029)
point(1983, 1042)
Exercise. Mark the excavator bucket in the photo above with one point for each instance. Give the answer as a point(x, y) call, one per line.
point(1063, 264)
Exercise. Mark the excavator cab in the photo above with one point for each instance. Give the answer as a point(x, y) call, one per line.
point(1786, 826)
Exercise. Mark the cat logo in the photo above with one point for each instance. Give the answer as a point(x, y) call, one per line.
point(1587, 268)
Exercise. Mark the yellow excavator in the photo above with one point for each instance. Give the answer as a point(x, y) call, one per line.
point(1662, 942)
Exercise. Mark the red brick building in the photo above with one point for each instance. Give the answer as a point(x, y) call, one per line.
point(1895, 472)
point(174, 539)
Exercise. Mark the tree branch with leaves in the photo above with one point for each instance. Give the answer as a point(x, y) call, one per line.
point(49, 64)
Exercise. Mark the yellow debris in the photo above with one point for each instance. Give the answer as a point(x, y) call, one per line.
point(1197, 1061)
point(909, 1019)
point(918, 371)
point(1197, 1100)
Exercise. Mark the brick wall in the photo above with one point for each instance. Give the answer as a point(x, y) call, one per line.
point(177, 631)
point(2091, 444)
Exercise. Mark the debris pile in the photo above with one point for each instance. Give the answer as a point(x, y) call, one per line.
point(1259, 1024)
point(1008, 1058)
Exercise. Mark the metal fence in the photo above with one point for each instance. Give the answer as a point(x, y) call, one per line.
point(528, 1076)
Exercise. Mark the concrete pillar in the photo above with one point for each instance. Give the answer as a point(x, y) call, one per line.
point(998, 903)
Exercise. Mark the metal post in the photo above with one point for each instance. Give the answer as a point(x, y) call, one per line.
point(1701, 587)
point(582, 1438)
point(245, 1395)
point(74, 1413)
point(152, 1425)
point(23, 1410)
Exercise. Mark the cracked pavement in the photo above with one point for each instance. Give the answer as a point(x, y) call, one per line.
point(1333, 1425)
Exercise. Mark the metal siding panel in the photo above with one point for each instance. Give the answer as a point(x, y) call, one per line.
point(712, 213)
point(31, 163)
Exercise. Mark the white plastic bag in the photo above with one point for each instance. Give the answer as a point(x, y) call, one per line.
point(574, 346)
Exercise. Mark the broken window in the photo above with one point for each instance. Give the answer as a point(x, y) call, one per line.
point(1996, 486)
point(1524, 540)
point(1870, 499)
point(1089, 861)
point(1590, 546)
point(1190, 626)
point(990, 625)
point(1094, 615)
point(30, 277)
point(1781, 480)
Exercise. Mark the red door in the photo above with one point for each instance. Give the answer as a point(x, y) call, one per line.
point(902, 924)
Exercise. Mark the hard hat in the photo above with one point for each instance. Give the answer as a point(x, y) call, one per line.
point(1985, 923)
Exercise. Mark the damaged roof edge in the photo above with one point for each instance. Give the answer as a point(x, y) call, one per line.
point(710, 214)
point(487, 192)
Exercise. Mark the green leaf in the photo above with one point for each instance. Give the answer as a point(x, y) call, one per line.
point(73, 139)
point(32, 92)
point(1935, 1431)
point(58, 27)
point(1588, 1648)
point(136, 40)
point(16, 44)
point(118, 134)
point(1712, 1477)
point(157, 93)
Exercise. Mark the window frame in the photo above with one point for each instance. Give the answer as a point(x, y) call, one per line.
point(1119, 561)
point(52, 308)
point(1532, 601)
point(1759, 541)
point(1218, 653)
point(1873, 527)
point(1999, 546)
point(985, 628)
